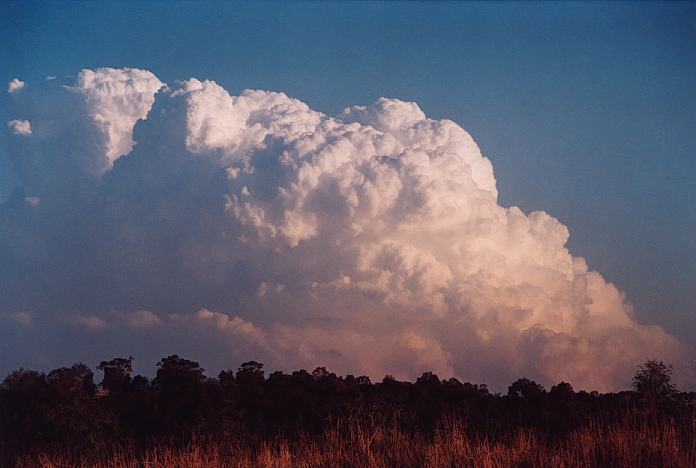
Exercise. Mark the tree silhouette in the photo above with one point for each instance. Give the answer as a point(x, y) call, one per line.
point(250, 377)
point(525, 388)
point(44, 412)
point(653, 381)
point(117, 373)
point(180, 385)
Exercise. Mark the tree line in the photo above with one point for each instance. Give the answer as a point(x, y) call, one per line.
point(45, 412)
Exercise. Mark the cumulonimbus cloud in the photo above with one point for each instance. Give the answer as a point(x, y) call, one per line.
point(369, 242)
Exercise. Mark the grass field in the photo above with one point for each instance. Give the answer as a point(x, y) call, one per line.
point(632, 444)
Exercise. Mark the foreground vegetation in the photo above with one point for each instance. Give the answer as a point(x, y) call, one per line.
point(243, 418)
point(625, 445)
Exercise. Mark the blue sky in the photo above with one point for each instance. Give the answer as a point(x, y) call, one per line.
point(587, 110)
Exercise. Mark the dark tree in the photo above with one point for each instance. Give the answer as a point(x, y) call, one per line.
point(180, 385)
point(525, 388)
point(25, 411)
point(117, 373)
point(654, 380)
point(250, 376)
point(320, 373)
point(176, 370)
point(47, 413)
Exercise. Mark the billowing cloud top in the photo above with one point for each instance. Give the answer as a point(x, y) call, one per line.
point(252, 226)
point(115, 100)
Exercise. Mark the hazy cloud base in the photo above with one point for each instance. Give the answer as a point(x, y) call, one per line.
point(159, 218)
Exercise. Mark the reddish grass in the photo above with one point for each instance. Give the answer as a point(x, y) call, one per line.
point(632, 444)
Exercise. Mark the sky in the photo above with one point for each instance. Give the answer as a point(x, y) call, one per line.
point(584, 110)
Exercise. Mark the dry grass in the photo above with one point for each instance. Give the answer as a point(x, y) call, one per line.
point(627, 445)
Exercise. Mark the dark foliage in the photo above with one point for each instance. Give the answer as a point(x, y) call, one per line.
point(47, 412)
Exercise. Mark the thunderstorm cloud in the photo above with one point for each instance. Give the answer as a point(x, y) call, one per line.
point(178, 217)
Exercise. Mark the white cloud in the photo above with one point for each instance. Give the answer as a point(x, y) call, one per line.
point(116, 99)
point(15, 85)
point(20, 127)
point(235, 326)
point(267, 288)
point(143, 319)
point(32, 201)
point(372, 242)
point(90, 322)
